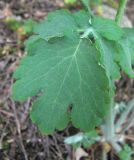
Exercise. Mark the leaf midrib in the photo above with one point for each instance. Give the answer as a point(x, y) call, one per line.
point(73, 56)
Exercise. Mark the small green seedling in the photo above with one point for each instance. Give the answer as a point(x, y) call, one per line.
point(22, 27)
point(70, 1)
point(73, 60)
point(126, 153)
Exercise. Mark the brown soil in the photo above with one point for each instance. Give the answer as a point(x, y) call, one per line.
point(19, 138)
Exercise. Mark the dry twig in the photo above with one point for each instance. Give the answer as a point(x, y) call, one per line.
point(19, 130)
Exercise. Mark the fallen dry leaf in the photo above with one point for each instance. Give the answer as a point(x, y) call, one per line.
point(79, 153)
point(7, 12)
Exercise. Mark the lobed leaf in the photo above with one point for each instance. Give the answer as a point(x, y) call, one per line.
point(73, 73)
point(67, 73)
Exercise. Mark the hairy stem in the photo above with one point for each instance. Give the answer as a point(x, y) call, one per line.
point(120, 12)
point(86, 3)
point(89, 9)
point(109, 128)
point(104, 155)
point(109, 124)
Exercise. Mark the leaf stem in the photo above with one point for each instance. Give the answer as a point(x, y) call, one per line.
point(86, 3)
point(104, 155)
point(121, 10)
point(90, 12)
point(89, 9)
point(109, 124)
point(109, 128)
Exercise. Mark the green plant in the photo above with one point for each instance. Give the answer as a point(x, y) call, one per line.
point(22, 27)
point(70, 1)
point(126, 153)
point(72, 62)
point(95, 2)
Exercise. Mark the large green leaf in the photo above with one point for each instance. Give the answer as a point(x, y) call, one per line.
point(67, 73)
point(99, 28)
point(72, 61)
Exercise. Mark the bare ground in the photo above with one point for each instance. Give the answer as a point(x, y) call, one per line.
point(19, 138)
